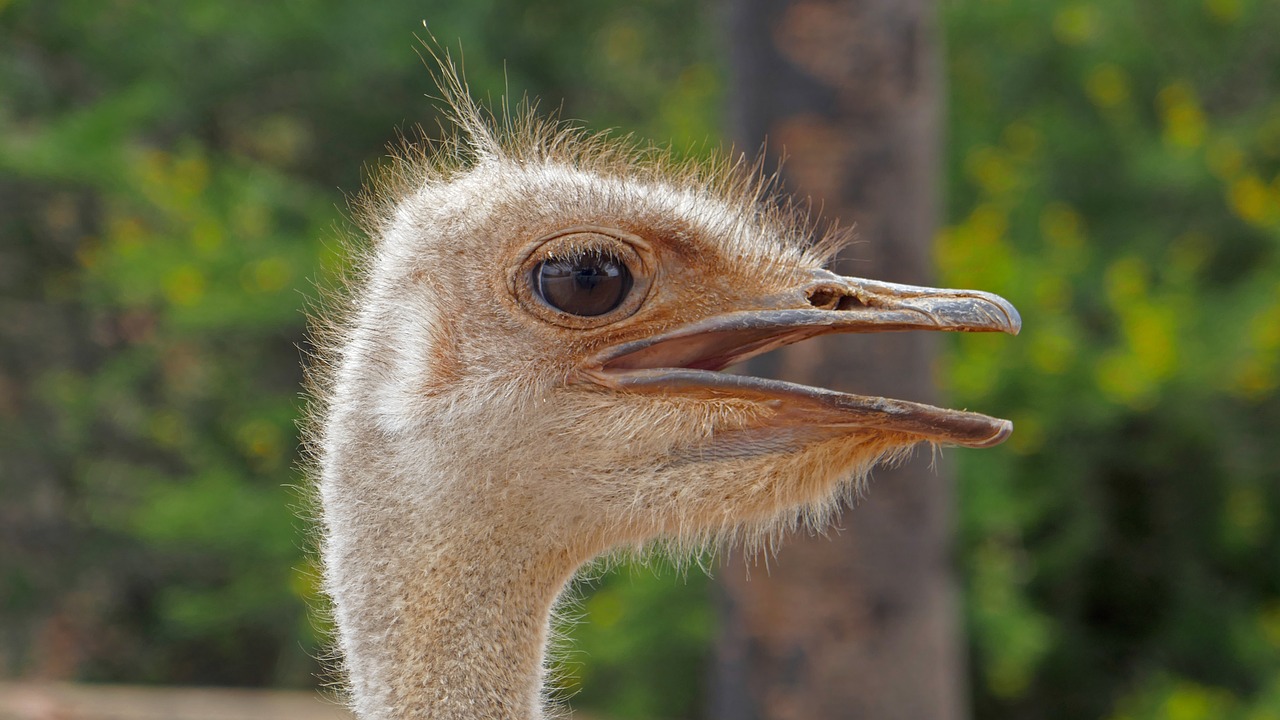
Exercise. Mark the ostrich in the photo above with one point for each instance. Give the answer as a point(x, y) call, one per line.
point(524, 374)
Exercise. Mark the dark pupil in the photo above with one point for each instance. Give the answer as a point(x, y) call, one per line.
point(590, 284)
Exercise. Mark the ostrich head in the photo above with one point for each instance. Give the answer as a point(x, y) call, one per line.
point(529, 374)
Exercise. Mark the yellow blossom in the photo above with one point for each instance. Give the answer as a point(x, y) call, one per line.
point(1184, 122)
point(1107, 85)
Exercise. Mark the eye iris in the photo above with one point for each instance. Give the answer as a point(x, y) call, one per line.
point(587, 285)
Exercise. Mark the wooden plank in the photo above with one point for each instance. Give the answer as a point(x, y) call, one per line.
point(72, 701)
point(67, 701)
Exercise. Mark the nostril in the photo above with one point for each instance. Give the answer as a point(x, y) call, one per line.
point(850, 302)
point(824, 298)
point(828, 297)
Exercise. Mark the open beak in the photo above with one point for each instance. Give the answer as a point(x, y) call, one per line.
point(685, 361)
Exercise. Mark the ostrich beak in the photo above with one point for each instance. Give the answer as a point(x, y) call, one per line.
point(685, 361)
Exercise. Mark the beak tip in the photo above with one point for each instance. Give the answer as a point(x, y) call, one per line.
point(1008, 320)
point(1015, 318)
point(1004, 429)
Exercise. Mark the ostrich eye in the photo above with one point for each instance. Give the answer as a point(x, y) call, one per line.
point(585, 285)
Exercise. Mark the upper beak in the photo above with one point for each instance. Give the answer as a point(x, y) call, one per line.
point(677, 361)
point(828, 304)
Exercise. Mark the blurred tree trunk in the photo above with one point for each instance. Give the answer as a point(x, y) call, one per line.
point(861, 623)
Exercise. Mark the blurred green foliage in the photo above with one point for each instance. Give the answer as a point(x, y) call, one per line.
point(172, 177)
point(1115, 171)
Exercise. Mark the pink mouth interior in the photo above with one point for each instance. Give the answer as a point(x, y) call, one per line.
point(713, 350)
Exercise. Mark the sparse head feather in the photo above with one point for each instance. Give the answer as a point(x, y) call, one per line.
point(475, 139)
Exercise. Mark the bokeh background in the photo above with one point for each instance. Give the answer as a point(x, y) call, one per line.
point(174, 177)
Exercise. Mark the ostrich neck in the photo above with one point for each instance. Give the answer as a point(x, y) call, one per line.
point(442, 610)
